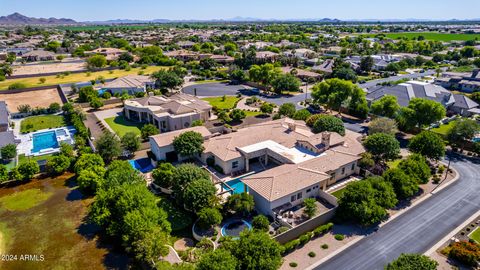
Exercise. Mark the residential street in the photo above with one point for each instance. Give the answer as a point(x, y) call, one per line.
point(396, 78)
point(419, 228)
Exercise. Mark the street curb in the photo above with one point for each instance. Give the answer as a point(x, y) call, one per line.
point(399, 213)
point(451, 234)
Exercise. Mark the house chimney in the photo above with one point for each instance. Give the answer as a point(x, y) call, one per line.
point(326, 139)
point(292, 126)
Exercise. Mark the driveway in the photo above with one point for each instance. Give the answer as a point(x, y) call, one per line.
point(419, 228)
point(214, 89)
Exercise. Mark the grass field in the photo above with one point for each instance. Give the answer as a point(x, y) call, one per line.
point(250, 114)
point(227, 104)
point(52, 224)
point(431, 36)
point(23, 200)
point(338, 194)
point(476, 235)
point(443, 129)
point(121, 125)
point(76, 77)
point(35, 123)
point(22, 158)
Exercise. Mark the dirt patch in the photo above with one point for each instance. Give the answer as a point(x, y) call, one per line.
point(48, 68)
point(183, 244)
point(39, 98)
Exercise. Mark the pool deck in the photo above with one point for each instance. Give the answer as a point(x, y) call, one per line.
point(25, 145)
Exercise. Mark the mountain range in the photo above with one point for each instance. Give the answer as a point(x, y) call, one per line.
point(17, 18)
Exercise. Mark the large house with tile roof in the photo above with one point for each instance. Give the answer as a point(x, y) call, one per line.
point(167, 113)
point(291, 163)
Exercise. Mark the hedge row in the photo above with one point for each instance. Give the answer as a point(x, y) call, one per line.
point(306, 237)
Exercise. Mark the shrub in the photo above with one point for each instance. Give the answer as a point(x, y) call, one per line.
point(290, 246)
point(324, 246)
point(322, 229)
point(17, 85)
point(339, 237)
point(293, 264)
point(261, 223)
point(304, 238)
point(465, 252)
point(282, 229)
point(312, 254)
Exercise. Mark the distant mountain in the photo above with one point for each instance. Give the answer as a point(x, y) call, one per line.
point(17, 18)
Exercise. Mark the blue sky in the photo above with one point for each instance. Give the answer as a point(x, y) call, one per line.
point(82, 10)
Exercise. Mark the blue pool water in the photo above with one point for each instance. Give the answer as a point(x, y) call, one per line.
point(237, 185)
point(235, 227)
point(476, 140)
point(44, 140)
point(143, 165)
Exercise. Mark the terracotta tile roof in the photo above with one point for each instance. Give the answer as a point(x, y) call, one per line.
point(165, 139)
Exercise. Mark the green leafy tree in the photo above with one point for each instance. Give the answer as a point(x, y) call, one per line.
point(263, 74)
point(95, 103)
point(337, 93)
point(188, 144)
point(366, 63)
point(108, 146)
point(310, 207)
point(287, 109)
point(285, 82)
point(130, 142)
point(96, 61)
point(383, 125)
point(219, 259)
point(382, 146)
point(261, 223)
point(28, 169)
point(412, 261)
point(163, 175)
point(207, 217)
point(224, 116)
point(199, 194)
point(267, 108)
point(462, 131)
point(404, 185)
point(90, 180)
point(8, 152)
point(3, 174)
point(187, 173)
point(302, 114)
point(88, 161)
point(242, 203)
point(420, 113)
point(257, 251)
point(345, 74)
point(416, 166)
point(237, 115)
point(428, 144)
point(58, 164)
point(329, 123)
point(148, 130)
point(386, 106)
point(165, 79)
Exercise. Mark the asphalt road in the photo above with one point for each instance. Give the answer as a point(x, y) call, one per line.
point(396, 78)
point(214, 89)
point(419, 228)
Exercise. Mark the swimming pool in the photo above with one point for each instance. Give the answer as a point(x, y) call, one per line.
point(143, 165)
point(44, 140)
point(237, 185)
point(235, 227)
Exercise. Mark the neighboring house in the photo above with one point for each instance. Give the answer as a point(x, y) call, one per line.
point(186, 56)
point(131, 84)
point(223, 59)
point(38, 55)
point(380, 62)
point(6, 135)
point(302, 73)
point(109, 53)
point(414, 89)
point(167, 113)
point(462, 82)
point(185, 44)
point(301, 53)
point(332, 51)
point(303, 162)
point(326, 67)
point(266, 56)
point(162, 146)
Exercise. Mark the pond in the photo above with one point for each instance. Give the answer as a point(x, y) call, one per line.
point(235, 227)
point(46, 218)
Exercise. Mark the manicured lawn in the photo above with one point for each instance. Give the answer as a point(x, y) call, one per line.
point(463, 68)
point(443, 129)
point(476, 235)
point(22, 158)
point(24, 200)
point(77, 77)
point(35, 123)
point(250, 114)
point(121, 125)
point(227, 104)
point(432, 36)
point(179, 219)
point(338, 194)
